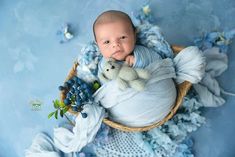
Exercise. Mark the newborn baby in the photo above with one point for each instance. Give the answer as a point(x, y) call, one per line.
point(115, 36)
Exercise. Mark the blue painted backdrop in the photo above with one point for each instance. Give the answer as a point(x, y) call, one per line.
point(33, 63)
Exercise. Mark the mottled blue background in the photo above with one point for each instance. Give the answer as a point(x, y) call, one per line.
point(33, 63)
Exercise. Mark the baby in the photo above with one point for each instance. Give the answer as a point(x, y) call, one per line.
point(115, 36)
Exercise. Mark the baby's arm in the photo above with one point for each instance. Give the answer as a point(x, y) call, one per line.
point(144, 56)
point(130, 60)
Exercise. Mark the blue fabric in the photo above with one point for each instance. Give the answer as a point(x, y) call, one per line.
point(150, 36)
point(83, 132)
point(208, 89)
point(127, 106)
point(144, 56)
point(136, 109)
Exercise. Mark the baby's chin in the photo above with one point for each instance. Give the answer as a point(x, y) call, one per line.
point(119, 57)
point(115, 58)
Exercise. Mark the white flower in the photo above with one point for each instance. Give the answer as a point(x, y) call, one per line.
point(146, 10)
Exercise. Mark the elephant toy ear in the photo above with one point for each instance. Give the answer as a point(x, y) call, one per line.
point(111, 59)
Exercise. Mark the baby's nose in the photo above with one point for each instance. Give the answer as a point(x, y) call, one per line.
point(116, 43)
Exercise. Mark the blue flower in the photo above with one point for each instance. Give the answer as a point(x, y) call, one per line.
point(65, 33)
point(143, 16)
point(215, 39)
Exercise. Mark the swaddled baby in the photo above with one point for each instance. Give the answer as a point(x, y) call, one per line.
point(115, 36)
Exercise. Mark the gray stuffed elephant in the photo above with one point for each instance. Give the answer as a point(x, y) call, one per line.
point(124, 75)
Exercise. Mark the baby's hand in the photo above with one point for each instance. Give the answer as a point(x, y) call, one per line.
point(130, 60)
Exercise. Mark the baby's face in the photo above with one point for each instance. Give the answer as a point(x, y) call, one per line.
point(115, 39)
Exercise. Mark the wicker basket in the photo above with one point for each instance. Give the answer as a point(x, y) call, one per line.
point(182, 90)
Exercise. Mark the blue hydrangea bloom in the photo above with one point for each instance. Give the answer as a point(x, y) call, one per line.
point(215, 39)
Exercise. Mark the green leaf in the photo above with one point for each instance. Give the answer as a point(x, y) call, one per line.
point(56, 114)
point(61, 104)
point(56, 103)
point(65, 110)
point(50, 115)
point(61, 113)
point(96, 85)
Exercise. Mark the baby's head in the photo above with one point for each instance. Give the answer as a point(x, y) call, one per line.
point(115, 34)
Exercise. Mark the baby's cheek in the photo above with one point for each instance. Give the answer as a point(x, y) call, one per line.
point(105, 53)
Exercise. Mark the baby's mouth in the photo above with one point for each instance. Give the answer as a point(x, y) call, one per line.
point(116, 52)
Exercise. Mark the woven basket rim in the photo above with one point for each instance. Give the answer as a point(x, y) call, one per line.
point(182, 90)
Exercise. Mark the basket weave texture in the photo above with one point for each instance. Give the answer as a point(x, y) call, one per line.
point(182, 90)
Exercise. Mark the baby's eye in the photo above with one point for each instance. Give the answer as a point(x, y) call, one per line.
point(107, 42)
point(123, 37)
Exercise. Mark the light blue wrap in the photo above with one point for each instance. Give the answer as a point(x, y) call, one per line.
point(83, 132)
point(137, 109)
point(134, 108)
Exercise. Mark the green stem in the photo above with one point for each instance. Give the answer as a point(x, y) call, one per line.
point(69, 120)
